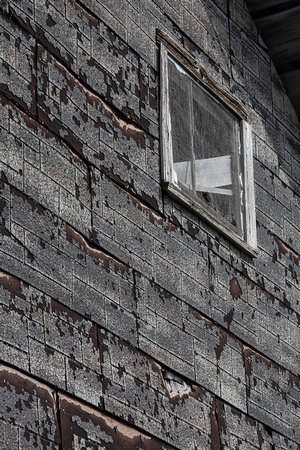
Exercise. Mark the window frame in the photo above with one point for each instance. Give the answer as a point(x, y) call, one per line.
point(247, 243)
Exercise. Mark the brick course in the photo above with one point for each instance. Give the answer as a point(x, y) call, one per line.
point(125, 320)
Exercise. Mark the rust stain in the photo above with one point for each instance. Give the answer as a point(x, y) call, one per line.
point(170, 227)
point(150, 200)
point(235, 412)
point(175, 221)
point(192, 229)
point(282, 303)
point(222, 343)
point(197, 392)
point(158, 369)
point(92, 21)
point(94, 100)
point(2, 206)
point(198, 316)
point(260, 438)
point(235, 289)
point(247, 354)
point(74, 236)
point(250, 420)
point(77, 419)
point(11, 284)
point(214, 424)
point(259, 287)
point(162, 292)
point(228, 317)
point(195, 313)
point(294, 380)
point(284, 250)
point(155, 218)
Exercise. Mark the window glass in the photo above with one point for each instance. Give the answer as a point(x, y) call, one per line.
point(206, 147)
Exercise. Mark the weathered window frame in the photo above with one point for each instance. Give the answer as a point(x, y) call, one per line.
point(248, 242)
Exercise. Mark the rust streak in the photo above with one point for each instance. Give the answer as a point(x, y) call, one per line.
point(74, 236)
point(283, 250)
point(11, 284)
point(235, 289)
point(222, 344)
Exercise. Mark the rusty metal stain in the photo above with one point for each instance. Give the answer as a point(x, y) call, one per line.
point(235, 289)
point(222, 343)
point(285, 250)
point(74, 236)
point(88, 423)
point(228, 317)
point(11, 284)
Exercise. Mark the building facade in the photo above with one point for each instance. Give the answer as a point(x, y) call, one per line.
point(133, 312)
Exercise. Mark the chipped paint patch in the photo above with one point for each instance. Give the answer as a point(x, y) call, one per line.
point(11, 284)
point(235, 288)
point(89, 426)
point(95, 253)
point(285, 250)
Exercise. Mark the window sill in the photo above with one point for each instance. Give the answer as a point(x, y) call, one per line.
point(211, 219)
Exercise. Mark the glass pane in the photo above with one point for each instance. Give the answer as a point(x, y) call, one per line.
point(181, 123)
point(206, 146)
point(216, 149)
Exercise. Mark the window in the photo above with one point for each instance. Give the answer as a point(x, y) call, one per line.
point(206, 147)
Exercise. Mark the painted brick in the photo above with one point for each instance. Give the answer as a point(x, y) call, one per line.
point(267, 294)
point(242, 19)
point(84, 426)
point(94, 52)
point(79, 112)
point(243, 432)
point(44, 169)
point(18, 74)
point(272, 395)
point(189, 339)
point(109, 288)
point(56, 259)
point(10, 434)
point(28, 405)
point(127, 370)
point(188, 410)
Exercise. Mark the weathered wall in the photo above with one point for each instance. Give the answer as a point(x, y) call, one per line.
point(109, 288)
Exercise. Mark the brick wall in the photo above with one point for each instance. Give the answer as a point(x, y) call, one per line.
point(125, 320)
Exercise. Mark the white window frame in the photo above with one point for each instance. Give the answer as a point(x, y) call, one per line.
point(247, 243)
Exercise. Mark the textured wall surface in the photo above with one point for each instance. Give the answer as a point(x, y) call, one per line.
point(125, 320)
